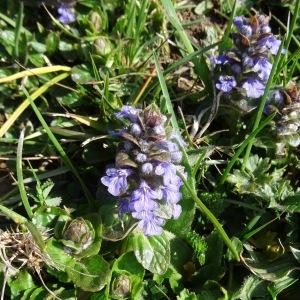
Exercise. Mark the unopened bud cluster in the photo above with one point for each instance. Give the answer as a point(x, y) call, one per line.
point(144, 176)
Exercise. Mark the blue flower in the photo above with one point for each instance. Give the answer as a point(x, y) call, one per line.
point(248, 61)
point(270, 42)
point(142, 199)
point(124, 206)
point(254, 87)
point(175, 210)
point(242, 25)
point(66, 15)
point(263, 67)
point(116, 180)
point(150, 224)
point(171, 193)
point(226, 83)
point(128, 112)
point(168, 172)
point(172, 148)
point(219, 60)
point(135, 129)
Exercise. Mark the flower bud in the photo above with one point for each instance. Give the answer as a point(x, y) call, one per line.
point(135, 130)
point(102, 46)
point(147, 168)
point(121, 286)
point(78, 235)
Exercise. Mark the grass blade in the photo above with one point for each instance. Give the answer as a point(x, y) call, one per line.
point(34, 72)
point(165, 93)
point(172, 16)
point(14, 116)
point(21, 185)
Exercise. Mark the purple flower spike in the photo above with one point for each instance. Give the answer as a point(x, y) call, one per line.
point(116, 180)
point(152, 194)
point(66, 15)
point(263, 67)
point(128, 112)
point(226, 83)
point(254, 88)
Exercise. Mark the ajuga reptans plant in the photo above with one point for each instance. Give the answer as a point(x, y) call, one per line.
point(243, 70)
point(144, 176)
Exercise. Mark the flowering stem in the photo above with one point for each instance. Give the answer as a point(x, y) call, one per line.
point(212, 218)
point(262, 103)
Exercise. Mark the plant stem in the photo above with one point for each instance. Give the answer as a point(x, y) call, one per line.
point(212, 218)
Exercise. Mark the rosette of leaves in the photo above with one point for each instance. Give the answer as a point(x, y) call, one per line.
point(259, 180)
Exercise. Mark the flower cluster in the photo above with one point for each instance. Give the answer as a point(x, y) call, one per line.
point(247, 66)
point(144, 176)
point(66, 13)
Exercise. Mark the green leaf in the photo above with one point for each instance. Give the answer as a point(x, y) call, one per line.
point(46, 216)
point(186, 295)
point(61, 260)
point(127, 269)
point(81, 74)
point(21, 282)
point(52, 42)
point(173, 277)
point(261, 266)
point(252, 287)
point(291, 203)
point(296, 253)
point(213, 269)
point(90, 274)
point(202, 7)
point(152, 252)
point(128, 263)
